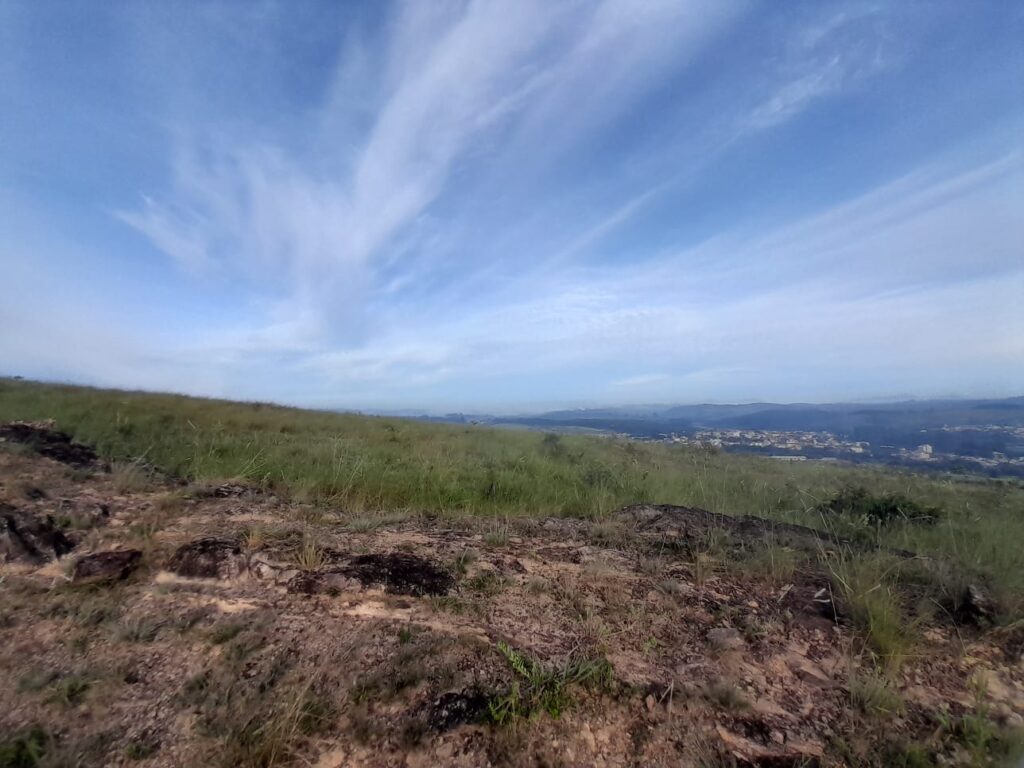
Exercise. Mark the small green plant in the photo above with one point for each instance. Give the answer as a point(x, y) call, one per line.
point(487, 584)
point(25, 748)
point(727, 696)
point(364, 524)
point(265, 739)
point(497, 536)
point(864, 588)
point(36, 680)
point(872, 694)
point(775, 563)
point(606, 534)
point(859, 504)
point(141, 750)
point(672, 587)
point(464, 559)
point(137, 630)
point(255, 537)
point(129, 476)
point(71, 689)
point(541, 688)
point(223, 633)
point(537, 585)
point(651, 566)
point(310, 556)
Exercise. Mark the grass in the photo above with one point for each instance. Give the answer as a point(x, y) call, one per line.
point(872, 694)
point(544, 688)
point(372, 464)
point(70, 690)
point(865, 590)
point(25, 748)
point(310, 556)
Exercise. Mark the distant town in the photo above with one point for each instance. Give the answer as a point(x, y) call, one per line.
point(954, 435)
point(825, 446)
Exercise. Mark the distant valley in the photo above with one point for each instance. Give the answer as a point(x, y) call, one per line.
point(975, 436)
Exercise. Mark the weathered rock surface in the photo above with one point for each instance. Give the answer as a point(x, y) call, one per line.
point(977, 607)
point(400, 573)
point(105, 566)
point(321, 583)
point(456, 708)
point(26, 537)
point(208, 558)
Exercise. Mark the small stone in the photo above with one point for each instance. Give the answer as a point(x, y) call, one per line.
point(777, 737)
point(650, 702)
point(588, 737)
point(725, 639)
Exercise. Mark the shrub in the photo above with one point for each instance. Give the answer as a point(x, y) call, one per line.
point(859, 504)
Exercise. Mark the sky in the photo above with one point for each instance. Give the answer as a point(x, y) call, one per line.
point(517, 205)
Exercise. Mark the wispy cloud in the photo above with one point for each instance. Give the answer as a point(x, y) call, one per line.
point(471, 203)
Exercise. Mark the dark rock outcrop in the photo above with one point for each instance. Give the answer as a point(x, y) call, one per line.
point(26, 537)
point(47, 441)
point(400, 573)
point(105, 566)
point(208, 558)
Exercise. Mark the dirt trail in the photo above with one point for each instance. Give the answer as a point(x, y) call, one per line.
point(251, 626)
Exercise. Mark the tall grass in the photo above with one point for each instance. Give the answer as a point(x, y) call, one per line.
point(368, 464)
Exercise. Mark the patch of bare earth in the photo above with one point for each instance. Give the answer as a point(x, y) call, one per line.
point(255, 632)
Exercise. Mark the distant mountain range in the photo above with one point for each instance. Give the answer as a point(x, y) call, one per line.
point(840, 418)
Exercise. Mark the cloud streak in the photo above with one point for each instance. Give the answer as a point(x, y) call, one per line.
point(492, 204)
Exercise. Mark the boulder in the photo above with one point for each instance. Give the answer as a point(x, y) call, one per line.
point(208, 558)
point(26, 537)
point(105, 566)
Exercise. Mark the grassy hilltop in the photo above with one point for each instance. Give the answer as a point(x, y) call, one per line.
point(249, 585)
point(363, 464)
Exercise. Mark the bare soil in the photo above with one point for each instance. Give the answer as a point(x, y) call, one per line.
point(255, 631)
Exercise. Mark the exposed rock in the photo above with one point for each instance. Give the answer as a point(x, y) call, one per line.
point(725, 639)
point(229, 490)
point(42, 438)
point(105, 566)
point(976, 607)
point(266, 569)
point(321, 583)
point(208, 558)
point(400, 573)
point(24, 536)
point(746, 751)
point(456, 708)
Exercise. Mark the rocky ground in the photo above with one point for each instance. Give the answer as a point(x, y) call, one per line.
point(143, 620)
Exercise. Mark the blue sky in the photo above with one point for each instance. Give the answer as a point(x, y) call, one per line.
point(514, 205)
